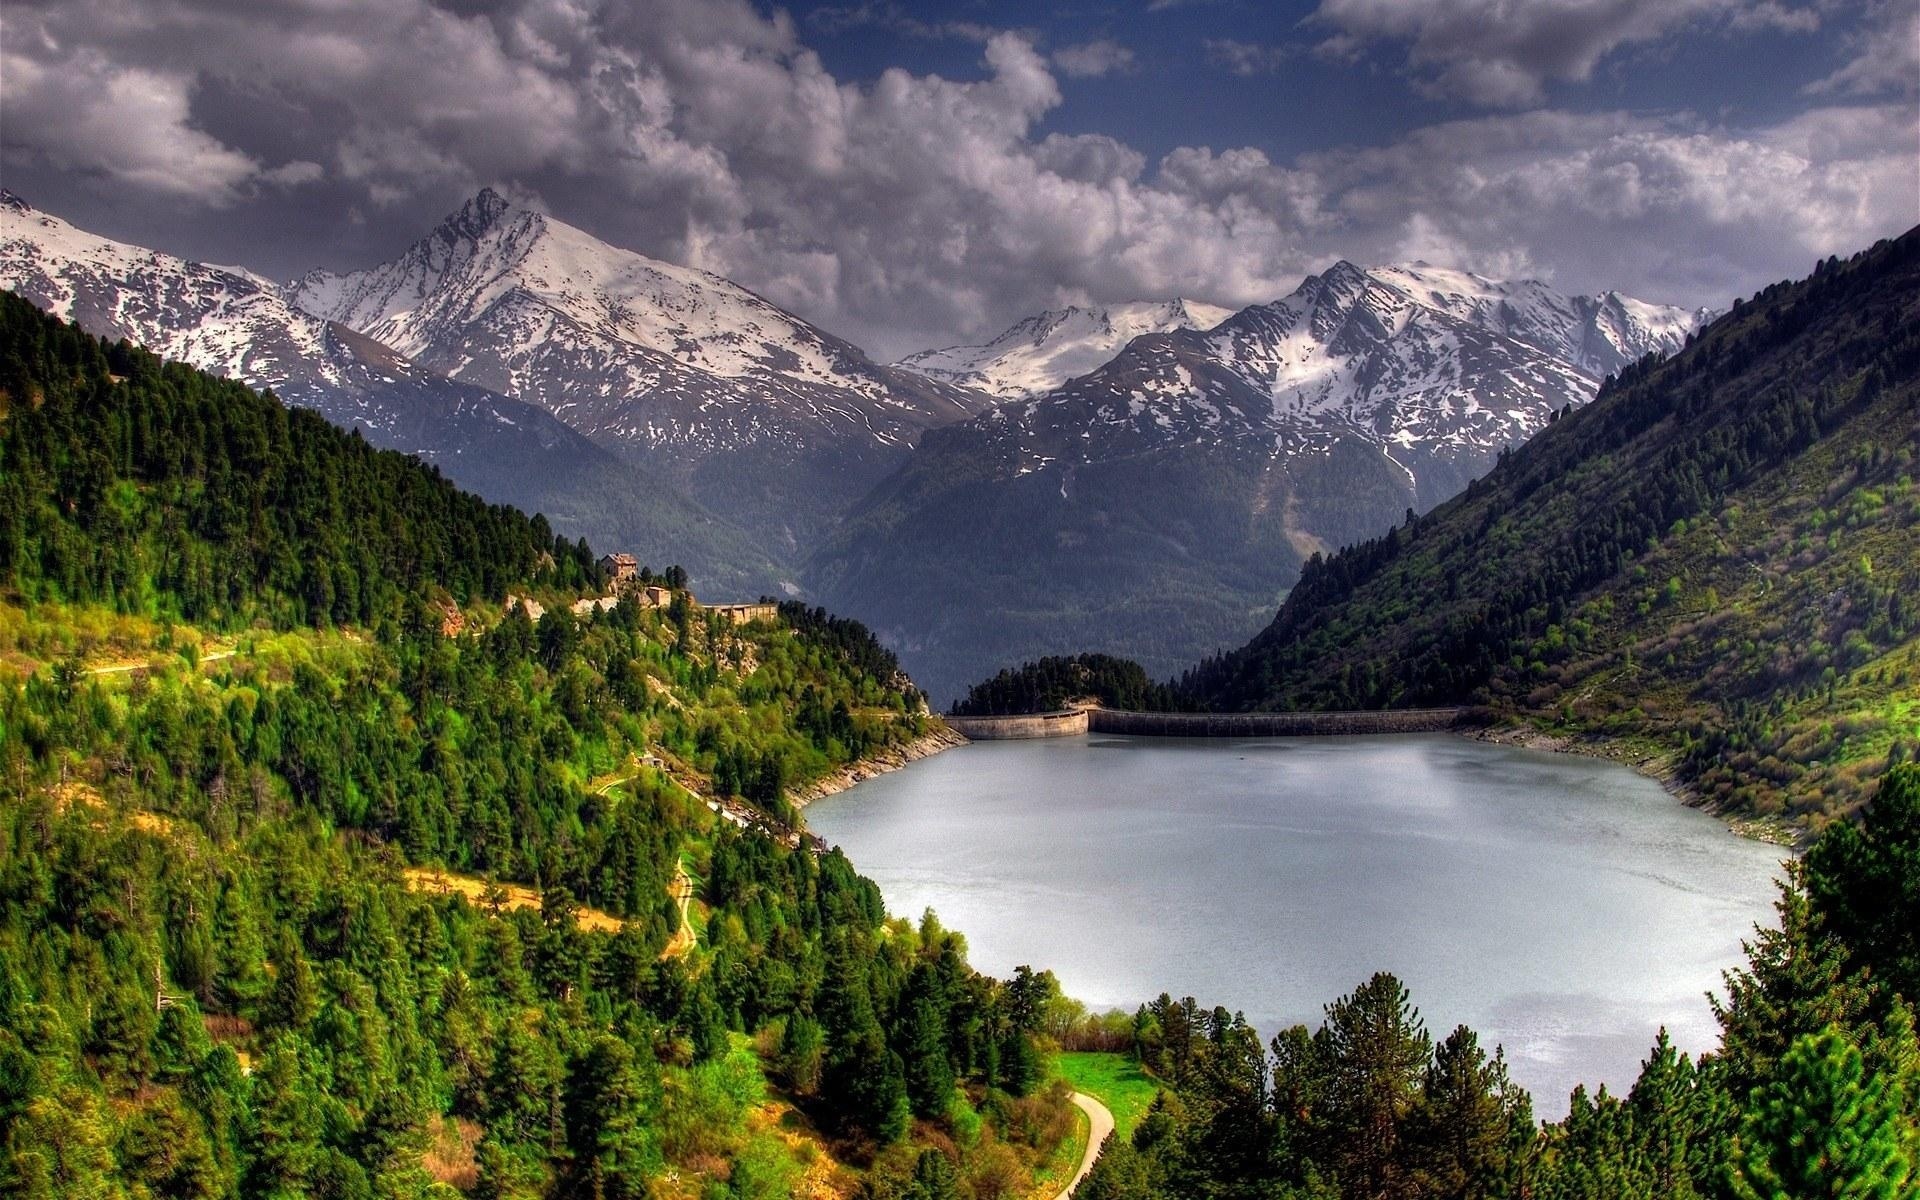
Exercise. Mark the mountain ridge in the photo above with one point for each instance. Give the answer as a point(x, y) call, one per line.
point(759, 414)
point(1158, 506)
point(237, 324)
point(1709, 564)
point(1041, 352)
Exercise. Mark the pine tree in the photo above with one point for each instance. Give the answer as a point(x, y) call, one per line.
point(1864, 880)
point(1825, 1127)
point(1469, 1130)
point(934, 1178)
point(1376, 1050)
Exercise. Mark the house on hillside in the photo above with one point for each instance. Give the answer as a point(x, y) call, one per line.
point(740, 614)
point(620, 568)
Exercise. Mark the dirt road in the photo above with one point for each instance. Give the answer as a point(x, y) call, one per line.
point(1099, 1125)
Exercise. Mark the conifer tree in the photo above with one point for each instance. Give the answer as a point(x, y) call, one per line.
point(1825, 1127)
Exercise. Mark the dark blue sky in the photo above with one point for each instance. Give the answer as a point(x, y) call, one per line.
point(1180, 91)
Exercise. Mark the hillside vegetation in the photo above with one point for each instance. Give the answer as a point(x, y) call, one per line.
point(1715, 563)
point(272, 739)
point(1049, 683)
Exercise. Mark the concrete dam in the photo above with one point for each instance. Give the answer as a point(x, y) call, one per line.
point(1072, 722)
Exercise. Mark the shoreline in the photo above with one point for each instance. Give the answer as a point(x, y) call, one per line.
point(936, 740)
point(1657, 767)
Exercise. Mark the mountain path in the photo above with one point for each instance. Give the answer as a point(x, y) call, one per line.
point(681, 943)
point(1099, 1125)
point(122, 668)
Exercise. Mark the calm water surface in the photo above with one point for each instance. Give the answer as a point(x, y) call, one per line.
point(1564, 907)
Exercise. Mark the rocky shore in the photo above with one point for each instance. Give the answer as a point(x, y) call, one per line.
point(939, 738)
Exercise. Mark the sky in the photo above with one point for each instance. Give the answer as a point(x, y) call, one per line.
point(913, 175)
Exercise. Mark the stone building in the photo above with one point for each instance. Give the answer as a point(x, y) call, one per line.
point(620, 568)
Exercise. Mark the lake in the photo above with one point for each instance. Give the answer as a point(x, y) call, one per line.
point(1564, 907)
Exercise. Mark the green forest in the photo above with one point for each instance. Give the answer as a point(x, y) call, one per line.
point(324, 871)
point(1049, 683)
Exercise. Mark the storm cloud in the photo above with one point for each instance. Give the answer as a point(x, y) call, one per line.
point(904, 209)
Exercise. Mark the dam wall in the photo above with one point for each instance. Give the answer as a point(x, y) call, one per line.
point(1075, 721)
point(1273, 724)
point(1069, 722)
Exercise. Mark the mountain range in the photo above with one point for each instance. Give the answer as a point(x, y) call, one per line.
point(1159, 505)
point(756, 413)
point(1043, 351)
point(236, 324)
point(1146, 477)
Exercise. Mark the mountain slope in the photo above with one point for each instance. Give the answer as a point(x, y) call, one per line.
point(1717, 559)
point(236, 325)
point(760, 415)
point(355, 907)
point(1158, 507)
point(1042, 352)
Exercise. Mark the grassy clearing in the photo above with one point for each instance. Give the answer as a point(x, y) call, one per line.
point(1115, 1080)
point(485, 895)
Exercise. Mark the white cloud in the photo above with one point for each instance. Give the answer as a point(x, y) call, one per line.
point(1088, 59)
point(911, 209)
point(1886, 59)
point(1247, 58)
point(128, 125)
point(1502, 54)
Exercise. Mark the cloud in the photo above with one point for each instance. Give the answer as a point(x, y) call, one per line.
point(123, 124)
point(836, 18)
point(1247, 58)
point(1500, 54)
point(1886, 56)
point(1088, 59)
point(905, 211)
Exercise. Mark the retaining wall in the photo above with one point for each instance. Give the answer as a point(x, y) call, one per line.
point(1273, 724)
point(1067, 723)
point(1072, 722)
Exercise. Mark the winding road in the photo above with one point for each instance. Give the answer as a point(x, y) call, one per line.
point(1099, 1125)
point(682, 942)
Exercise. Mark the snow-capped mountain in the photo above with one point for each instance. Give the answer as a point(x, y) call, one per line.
point(1042, 352)
point(1599, 334)
point(233, 323)
point(761, 414)
point(1166, 498)
point(1409, 359)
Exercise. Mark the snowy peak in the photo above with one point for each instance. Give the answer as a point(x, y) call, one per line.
point(1444, 364)
point(760, 413)
point(1599, 334)
point(234, 323)
point(1043, 351)
point(511, 277)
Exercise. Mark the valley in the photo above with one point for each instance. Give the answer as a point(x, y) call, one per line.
point(404, 868)
point(965, 600)
point(1143, 478)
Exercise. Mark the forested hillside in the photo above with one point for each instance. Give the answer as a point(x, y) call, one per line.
point(324, 871)
point(1048, 683)
point(1715, 562)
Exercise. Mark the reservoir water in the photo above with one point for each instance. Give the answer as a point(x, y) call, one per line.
point(1564, 907)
